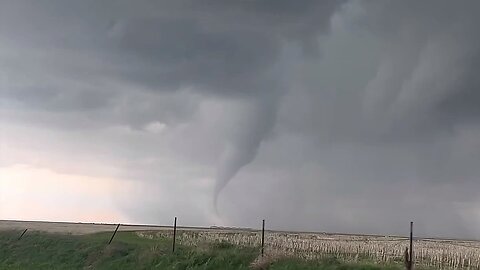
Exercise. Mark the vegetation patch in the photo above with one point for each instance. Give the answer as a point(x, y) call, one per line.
point(130, 251)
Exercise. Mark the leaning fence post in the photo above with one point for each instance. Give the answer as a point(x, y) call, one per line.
point(174, 234)
point(22, 234)
point(263, 236)
point(113, 235)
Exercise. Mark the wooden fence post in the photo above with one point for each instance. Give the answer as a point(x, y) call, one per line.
point(174, 234)
point(113, 235)
point(411, 245)
point(263, 236)
point(22, 234)
point(409, 251)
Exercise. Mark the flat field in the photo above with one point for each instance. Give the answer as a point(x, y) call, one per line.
point(285, 247)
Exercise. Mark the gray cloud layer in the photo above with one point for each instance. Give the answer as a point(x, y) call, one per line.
point(360, 115)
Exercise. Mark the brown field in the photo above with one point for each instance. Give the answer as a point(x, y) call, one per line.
point(440, 253)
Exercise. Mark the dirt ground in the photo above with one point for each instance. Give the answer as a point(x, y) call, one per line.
point(87, 228)
point(72, 228)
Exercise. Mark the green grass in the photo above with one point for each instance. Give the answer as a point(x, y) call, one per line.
point(128, 251)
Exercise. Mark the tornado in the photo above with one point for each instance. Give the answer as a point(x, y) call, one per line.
point(257, 120)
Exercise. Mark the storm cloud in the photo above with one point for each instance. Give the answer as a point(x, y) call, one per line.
point(354, 116)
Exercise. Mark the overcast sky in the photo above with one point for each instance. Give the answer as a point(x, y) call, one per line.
point(346, 116)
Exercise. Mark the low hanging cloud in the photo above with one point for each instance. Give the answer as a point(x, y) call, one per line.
point(350, 116)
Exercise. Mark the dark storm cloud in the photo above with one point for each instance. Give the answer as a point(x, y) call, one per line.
point(212, 45)
point(351, 109)
point(169, 54)
point(207, 46)
point(396, 136)
point(429, 66)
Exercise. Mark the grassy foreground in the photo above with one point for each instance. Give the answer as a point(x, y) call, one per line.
point(128, 251)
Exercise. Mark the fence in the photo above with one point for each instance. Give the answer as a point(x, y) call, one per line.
point(442, 254)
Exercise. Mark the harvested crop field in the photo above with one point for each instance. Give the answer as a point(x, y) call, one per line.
point(437, 253)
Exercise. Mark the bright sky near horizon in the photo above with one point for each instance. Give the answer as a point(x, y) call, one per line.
point(29, 193)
